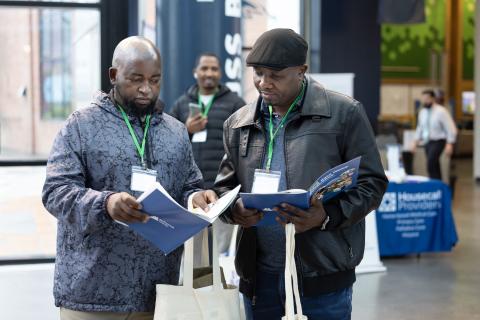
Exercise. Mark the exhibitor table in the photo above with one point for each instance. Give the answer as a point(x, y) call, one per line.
point(415, 217)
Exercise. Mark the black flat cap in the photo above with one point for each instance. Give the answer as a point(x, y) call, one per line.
point(278, 49)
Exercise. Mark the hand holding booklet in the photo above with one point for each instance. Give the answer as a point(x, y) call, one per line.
point(327, 186)
point(170, 224)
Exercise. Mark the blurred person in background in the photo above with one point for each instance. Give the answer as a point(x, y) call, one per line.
point(436, 132)
point(203, 108)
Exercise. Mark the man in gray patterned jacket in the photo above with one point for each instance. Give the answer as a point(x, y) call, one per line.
point(104, 270)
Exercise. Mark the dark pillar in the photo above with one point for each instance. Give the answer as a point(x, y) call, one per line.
point(349, 37)
point(188, 27)
point(118, 21)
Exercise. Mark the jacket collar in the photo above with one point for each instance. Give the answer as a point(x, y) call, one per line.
point(315, 103)
point(192, 92)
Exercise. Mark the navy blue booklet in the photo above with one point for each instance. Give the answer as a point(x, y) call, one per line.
point(170, 224)
point(327, 186)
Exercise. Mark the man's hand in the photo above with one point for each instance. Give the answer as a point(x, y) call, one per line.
point(125, 208)
point(303, 220)
point(448, 149)
point(202, 199)
point(196, 123)
point(245, 217)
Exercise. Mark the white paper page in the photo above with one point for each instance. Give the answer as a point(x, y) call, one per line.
point(291, 191)
point(219, 206)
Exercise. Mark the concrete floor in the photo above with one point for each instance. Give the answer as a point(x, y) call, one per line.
point(26, 293)
point(435, 286)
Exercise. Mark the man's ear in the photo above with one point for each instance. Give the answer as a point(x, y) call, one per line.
point(303, 70)
point(194, 73)
point(112, 74)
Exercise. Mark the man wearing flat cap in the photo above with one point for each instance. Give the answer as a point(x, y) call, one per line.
point(294, 132)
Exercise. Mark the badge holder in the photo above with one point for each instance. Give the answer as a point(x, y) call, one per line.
point(200, 137)
point(142, 178)
point(266, 181)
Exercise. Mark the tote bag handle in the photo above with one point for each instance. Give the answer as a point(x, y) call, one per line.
point(291, 279)
point(188, 263)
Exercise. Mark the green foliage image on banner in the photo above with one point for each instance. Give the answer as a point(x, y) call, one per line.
point(407, 49)
point(468, 38)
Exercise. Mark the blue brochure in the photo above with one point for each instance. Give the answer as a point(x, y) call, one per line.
point(327, 186)
point(170, 224)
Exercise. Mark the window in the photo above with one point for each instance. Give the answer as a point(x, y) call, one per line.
point(50, 67)
point(55, 63)
point(50, 62)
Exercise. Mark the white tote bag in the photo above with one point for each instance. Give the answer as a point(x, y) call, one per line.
point(227, 262)
point(291, 280)
point(185, 303)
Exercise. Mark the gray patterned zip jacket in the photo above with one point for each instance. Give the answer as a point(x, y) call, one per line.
point(102, 265)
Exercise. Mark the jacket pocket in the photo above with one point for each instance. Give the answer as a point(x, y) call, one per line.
point(325, 252)
point(349, 245)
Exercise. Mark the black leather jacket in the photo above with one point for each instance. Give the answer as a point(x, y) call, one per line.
point(329, 129)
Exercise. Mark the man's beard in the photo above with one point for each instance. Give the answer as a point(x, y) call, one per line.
point(428, 105)
point(134, 109)
point(131, 107)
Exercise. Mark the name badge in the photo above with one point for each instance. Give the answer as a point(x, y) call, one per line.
point(266, 181)
point(142, 178)
point(200, 137)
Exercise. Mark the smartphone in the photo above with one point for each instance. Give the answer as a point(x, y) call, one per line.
point(194, 109)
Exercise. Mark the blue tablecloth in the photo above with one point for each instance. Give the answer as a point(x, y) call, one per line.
point(416, 217)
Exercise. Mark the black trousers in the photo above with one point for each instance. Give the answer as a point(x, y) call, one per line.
point(434, 149)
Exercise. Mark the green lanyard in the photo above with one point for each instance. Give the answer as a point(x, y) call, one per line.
point(274, 134)
point(207, 107)
point(140, 149)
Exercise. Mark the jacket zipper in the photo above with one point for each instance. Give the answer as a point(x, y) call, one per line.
point(254, 297)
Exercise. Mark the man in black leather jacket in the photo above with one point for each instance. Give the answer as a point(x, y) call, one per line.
point(321, 129)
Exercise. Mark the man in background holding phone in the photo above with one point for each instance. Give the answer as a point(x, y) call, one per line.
point(204, 108)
